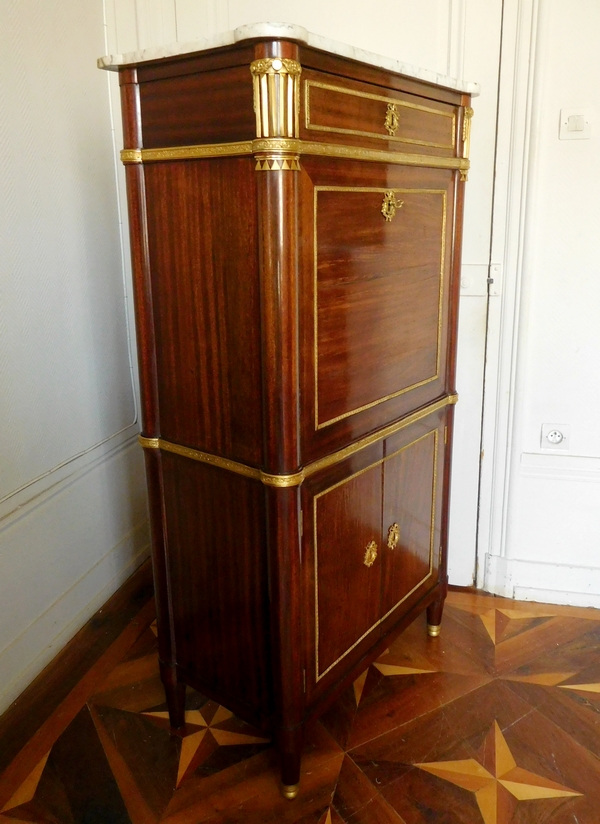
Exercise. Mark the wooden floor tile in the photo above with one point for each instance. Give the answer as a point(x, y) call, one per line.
point(494, 722)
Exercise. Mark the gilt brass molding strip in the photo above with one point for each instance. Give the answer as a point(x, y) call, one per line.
point(466, 136)
point(187, 152)
point(382, 156)
point(131, 156)
point(295, 478)
point(342, 454)
point(297, 147)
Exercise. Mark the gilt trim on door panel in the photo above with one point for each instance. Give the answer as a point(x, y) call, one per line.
point(434, 432)
point(383, 190)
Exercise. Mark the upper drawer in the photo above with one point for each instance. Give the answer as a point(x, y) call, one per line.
point(337, 110)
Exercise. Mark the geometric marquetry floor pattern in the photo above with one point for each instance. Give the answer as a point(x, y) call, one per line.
point(497, 721)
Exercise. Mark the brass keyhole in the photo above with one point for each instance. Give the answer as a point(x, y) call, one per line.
point(391, 119)
point(370, 554)
point(390, 205)
point(393, 536)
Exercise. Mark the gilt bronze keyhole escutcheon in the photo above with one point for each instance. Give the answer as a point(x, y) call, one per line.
point(370, 554)
point(390, 205)
point(393, 536)
point(391, 119)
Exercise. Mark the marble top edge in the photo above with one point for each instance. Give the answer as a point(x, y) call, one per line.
point(292, 32)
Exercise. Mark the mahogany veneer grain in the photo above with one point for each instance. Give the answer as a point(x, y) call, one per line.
point(281, 317)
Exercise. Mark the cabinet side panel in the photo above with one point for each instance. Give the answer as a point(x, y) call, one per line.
point(207, 107)
point(204, 260)
point(218, 576)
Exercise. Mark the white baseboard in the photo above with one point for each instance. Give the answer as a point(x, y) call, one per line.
point(537, 581)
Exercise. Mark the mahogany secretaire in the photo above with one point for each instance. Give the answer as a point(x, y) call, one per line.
point(295, 220)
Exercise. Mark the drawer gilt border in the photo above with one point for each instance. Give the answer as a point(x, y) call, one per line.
point(366, 95)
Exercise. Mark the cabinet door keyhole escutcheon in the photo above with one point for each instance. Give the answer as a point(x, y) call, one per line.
point(393, 536)
point(370, 554)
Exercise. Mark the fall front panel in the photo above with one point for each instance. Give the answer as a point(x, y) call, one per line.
point(375, 296)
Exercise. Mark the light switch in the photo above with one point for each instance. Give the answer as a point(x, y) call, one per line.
point(575, 124)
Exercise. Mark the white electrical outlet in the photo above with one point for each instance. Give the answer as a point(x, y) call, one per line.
point(555, 436)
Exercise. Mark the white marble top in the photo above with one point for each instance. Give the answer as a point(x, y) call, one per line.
point(289, 31)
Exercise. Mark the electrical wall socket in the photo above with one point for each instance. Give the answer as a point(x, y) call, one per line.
point(555, 436)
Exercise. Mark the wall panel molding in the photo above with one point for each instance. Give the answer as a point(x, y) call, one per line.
point(65, 551)
point(560, 467)
point(198, 20)
point(510, 216)
point(456, 38)
point(156, 22)
point(19, 499)
point(536, 581)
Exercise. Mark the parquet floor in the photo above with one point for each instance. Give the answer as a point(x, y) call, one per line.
point(495, 722)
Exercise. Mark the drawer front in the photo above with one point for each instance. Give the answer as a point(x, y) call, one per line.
point(337, 110)
point(376, 324)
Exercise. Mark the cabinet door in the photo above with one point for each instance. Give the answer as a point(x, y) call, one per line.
point(347, 563)
point(411, 520)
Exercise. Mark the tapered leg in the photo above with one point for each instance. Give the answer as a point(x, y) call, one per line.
point(290, 753)
point(175, 694)
point(434, 617)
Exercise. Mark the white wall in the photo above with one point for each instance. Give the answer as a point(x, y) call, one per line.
point(542, 537)
point(72, 501)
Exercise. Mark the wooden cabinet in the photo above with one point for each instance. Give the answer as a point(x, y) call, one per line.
point(295, 229)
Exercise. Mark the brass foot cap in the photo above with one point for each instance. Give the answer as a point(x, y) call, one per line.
point(433, 631)
point(290, 790)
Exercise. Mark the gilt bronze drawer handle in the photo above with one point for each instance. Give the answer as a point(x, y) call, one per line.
point(390, 205)
point(391, 119)
point(370, 554)
point(393, 536)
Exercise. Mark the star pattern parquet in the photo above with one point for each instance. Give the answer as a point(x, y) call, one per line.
point(497, 721)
